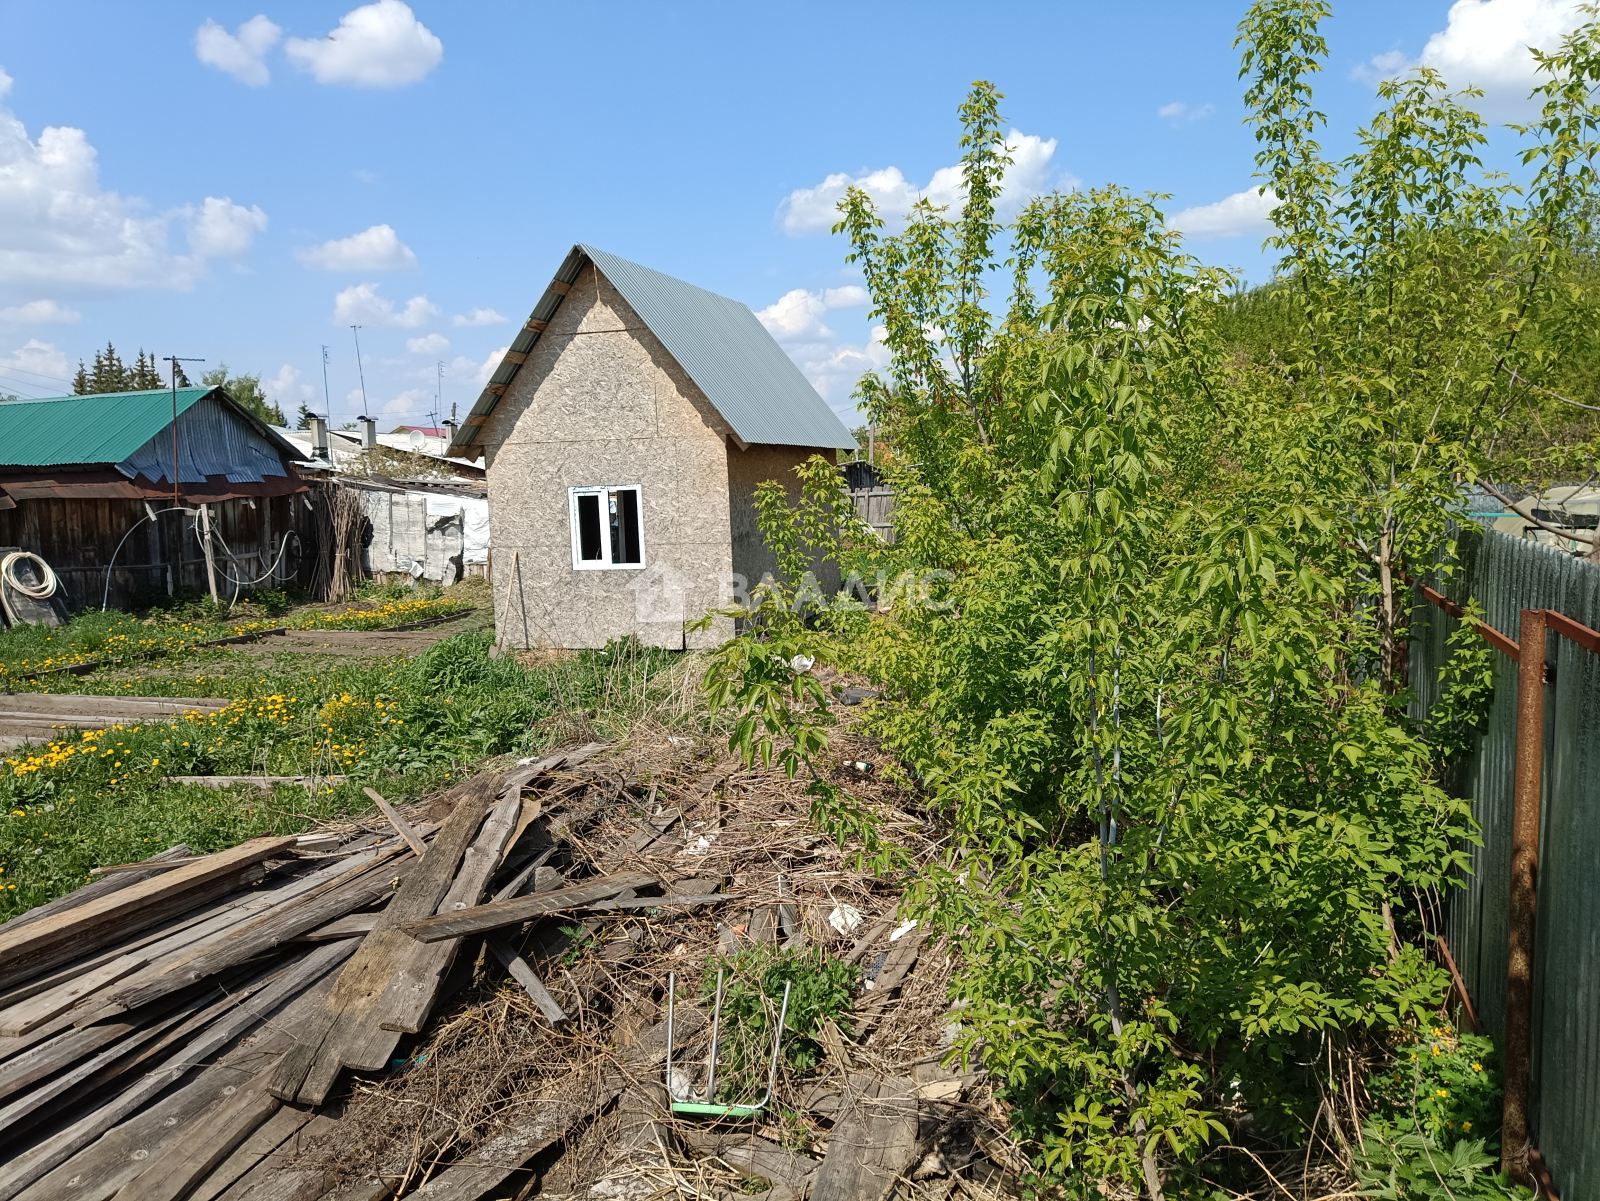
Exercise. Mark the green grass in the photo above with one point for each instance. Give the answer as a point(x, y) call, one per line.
point(404, 726)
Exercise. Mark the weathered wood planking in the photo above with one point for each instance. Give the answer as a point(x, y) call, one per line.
point(347, 1030)
point(40, 946)
point(496, 915)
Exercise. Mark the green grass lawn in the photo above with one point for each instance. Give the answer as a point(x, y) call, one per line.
point(402, 725)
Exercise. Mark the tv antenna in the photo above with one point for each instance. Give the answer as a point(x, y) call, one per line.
point(355, 331)
point(327, 404)
point(176, 371)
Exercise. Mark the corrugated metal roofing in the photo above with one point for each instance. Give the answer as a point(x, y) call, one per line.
point(134, 431)
point(104, 427)
point(729, 353)
point(720, 343)
point(211, 441)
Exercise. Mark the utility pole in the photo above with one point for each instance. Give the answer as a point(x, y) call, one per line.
point(177, 553)
point(355, 331)
point(327, 404)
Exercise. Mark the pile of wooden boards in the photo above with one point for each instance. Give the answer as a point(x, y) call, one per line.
point(190, 1028)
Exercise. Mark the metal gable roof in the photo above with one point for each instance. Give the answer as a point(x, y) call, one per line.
point(719, 342)
point(103, 427)
point(115, 427)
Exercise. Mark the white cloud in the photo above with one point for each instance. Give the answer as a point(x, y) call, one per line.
point(360, 304)
point(287, 390)
point(1247, 212)
point(380, 45)
point(462, 367)
point(1180, 114)
point(851, 296)
point(59, 229)
point(428, 344)
point(816, 210)
point(39, 359)
point(222, 228)
point(242, 54)
point(410, 403)
point(40, 312)
point(796, 316)
point(377, 248)
point(835, 368)
point(478, 317)
point(1484, 44)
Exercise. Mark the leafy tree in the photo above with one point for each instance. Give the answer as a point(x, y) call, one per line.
point(1149, 668)
point(246, 392)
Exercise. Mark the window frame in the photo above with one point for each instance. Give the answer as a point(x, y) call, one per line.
point(604, 562)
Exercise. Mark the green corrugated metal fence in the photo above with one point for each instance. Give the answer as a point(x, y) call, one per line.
point(1506, 575)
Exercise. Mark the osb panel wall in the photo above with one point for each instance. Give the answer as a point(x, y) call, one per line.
point(79, 537)
point(752, 559)
point(601, 402)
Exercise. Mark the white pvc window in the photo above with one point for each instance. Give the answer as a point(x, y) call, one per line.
point(607, 527)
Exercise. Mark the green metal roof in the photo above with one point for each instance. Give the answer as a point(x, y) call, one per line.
point(724, 348)
point(105, 427)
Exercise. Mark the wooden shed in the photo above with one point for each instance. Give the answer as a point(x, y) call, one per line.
point(624, 435)
point(86, 483)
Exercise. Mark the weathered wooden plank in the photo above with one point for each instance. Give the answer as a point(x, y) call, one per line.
point(402, 827)
point(342, 1034)
point(355, 888)
point(525, 773)
point(497, 915)
point(54, 1169)
point(902, 956)
point(583, 1093)
point(96, 888)
point(409, 998)
point(32, 949)
point(869, 1149)
point(36, 1011)
point(252, 1151)
point(177, 1168)
point(352, 926)
point(527, 977)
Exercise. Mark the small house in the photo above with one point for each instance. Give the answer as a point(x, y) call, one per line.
point(624, 435)
point(87, 484)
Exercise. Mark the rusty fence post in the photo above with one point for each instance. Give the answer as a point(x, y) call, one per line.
point(1514, 1134)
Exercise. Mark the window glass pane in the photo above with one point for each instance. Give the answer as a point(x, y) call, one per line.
point(625, 526)
point(589, 527)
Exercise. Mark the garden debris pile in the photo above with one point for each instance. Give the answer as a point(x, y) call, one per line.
point(478, 996)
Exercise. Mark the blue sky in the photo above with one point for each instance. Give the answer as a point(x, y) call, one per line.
point(241, 183)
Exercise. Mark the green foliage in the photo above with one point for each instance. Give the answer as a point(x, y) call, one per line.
point(110, 375)
point(405, 726)
point(1155, 702)
point(245, 390)
point(1444, 1086)
point(1415, 1167)
point(821, 991)
point(1467, 688)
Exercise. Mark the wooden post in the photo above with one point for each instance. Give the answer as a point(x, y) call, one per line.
point(1514, 1137)
point(205, 544)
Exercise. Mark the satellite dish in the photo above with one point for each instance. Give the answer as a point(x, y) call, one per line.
point(418, 439)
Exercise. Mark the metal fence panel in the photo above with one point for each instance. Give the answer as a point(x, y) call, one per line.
point(1506, 575)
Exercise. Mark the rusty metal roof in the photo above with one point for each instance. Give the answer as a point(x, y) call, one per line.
point(719, 342)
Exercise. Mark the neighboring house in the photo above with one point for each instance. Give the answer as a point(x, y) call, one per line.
point(424, 529)
point(84, 479)
point(412, 454)
point(624, 435)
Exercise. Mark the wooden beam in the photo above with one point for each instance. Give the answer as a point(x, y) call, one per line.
point(401, 826)
point(43, 945)
point(497, 915)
